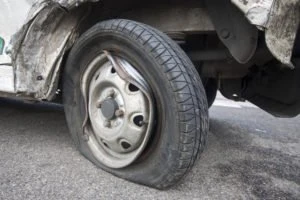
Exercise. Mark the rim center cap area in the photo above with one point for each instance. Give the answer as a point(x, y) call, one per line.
point(108, 108)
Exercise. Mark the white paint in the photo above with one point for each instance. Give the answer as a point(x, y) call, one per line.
point(5, 59)
point(257, 11)
point(7, 79)
point(13, 14)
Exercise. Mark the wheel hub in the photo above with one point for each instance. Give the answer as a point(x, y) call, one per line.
point(109, 108)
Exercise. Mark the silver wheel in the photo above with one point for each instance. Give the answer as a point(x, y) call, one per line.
point(119, 109)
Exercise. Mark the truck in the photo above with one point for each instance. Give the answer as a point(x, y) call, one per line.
point(137, 78)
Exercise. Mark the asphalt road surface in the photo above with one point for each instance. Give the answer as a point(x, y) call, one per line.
point(250, 155)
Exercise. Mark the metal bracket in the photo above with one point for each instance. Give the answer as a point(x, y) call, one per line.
point(233, 29)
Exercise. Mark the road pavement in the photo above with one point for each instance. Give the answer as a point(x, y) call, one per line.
point(250, 155)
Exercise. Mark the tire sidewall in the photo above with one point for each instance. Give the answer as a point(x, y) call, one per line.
point(163, 152)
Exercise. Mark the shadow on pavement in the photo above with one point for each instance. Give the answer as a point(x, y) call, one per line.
point(30, 106)
point(268, 173)
point(236, 163)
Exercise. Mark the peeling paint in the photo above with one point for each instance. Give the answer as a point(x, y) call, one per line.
point(38, 47)
point(282, 28)
point(257, 11)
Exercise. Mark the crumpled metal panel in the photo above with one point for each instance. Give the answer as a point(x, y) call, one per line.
point(38, 47)
point(257, 11)
point(279, 19)
point(282, 28)
point(72, 3)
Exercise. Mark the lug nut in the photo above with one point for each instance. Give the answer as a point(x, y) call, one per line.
point(111, 93)
point(107, 124)
point(119, 113)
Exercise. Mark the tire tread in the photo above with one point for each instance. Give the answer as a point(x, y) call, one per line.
point(188, 91)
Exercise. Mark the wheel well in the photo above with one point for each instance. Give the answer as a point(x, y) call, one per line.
point(170, 18)
point(199, 33)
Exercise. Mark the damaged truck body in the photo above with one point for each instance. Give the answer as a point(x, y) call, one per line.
point(137, 78)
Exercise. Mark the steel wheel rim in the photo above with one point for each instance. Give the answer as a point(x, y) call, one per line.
point(120, 110)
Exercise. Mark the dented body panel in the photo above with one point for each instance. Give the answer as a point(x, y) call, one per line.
point(257, 11)
point(37, 39)
point(280, 21)
point(282, 28)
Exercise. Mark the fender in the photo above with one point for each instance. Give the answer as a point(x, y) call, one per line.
point(38, 43)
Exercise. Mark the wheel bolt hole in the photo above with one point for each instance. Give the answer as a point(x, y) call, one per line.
point(125, 145)
point(133, 88)
point(105, 144)
point(138, 120)
point(97, 77)
point(113, 71)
